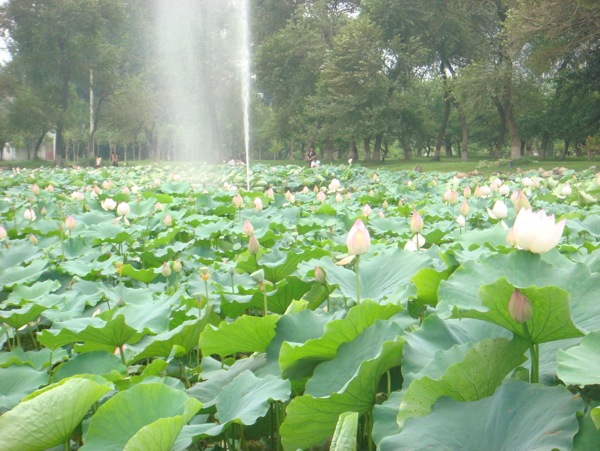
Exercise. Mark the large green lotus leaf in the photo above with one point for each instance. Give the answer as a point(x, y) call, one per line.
point(345, 435)
point(213, 382)
point(518, 416)
point(588, 437)
point(120, 418)
point(18, 381)
point(98, 334)
point(18, 275)
point(32, 293)
point(580, 365)
point(281, 262)
point(149, 316)
point(427, 281)
point(551, 313)
point(246, 334)
point(96, 362)
point(36, 359)
point(17, 318)
point(171, 187)
point(107, 232)
point(48, 417)
point(160, 435)
point(141, 275)
point(247, 397)
point(483, 368)
point(185, 335)
point(381, 276)
point(300, 358)
point(286, 290)
point(311, 420)
point(596, 416)
point(494, 236)
point(16, 255)
point(385, 417)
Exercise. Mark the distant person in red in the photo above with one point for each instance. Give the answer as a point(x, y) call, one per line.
point(311, 156)
point(115, 159)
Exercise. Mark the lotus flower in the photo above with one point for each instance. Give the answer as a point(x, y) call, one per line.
point(321, 196)
point(123, 209)
point(527, 182)
point(258, 203)
point(500, 211)
point(464, 208)
point(358, 239)
point(566, 190)
point(467, 192)
point(520, 307)
point(320, 275)
point(461, 221)
point(270, 193)
point(537, 232)
point(35, 189)
point(29, 214)
point(334, 185)
point(247, 228)
point(451, 197)
point(253, 246)
point(165, 270)
point(177, 266)
point(238, 201)
point(416, 222)
point(3, 233)
point(504, 190)
point(366, 211)
point(168, 220)
point(33, 239)
point(108, 204)
point(519, 200)
point(70, 222)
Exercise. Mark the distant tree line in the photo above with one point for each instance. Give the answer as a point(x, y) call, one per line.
point(368, 80)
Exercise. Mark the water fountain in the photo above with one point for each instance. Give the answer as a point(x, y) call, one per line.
point(203, 61)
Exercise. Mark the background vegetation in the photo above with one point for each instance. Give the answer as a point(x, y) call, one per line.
point(367, 80)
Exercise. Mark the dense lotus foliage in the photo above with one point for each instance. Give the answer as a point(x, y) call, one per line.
point(155, 308)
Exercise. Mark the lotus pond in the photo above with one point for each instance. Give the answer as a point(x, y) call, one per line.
point(339, 307)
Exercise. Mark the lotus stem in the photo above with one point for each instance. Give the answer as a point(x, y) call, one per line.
point(264, 302)
point(357, 280)
point(389, 383)
point(122, 354)
point(535, 356)
point(33, 342)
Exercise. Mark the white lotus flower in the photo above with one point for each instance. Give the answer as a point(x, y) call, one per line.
point(358, 239)
point(108, 204)
point(537, 232)
point(29, 214)
point(500, 211)
point(123, 209)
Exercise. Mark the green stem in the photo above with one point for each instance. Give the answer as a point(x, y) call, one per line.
point(206, 290)
point(122, 354)
point(389, 383)
point(535, 356)
point(357, 280)
point(264, 302)
point(232, 285)
point(243, 443)
point(327, 298)
point(68, 444)
point(18, 337)
point(33, 342)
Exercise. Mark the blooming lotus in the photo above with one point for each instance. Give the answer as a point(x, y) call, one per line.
point(108, 204)
point(451, 197)
point(537, 232)
point(358, 239)
point(334, 185)
point(77, 195)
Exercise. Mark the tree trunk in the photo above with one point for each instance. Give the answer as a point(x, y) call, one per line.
point(448, 147)
point(464, 148)
point(565, 151)
point(513, 131)
point(352, 151)
point(406, 147)
point(367, 147)
point(329, 150)
point(442, 130)
point(501, 128)
point(544, 145)
point(377, 147)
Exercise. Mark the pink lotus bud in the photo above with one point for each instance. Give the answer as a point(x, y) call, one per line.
point(258, 203)
point(527, 182)
point(123, 209)
point(375, 177)
point(43, 211)
point(32, 239)
point(288, 195)
point(358, 239)
point(315, 189)
point(97, 190)
point(520, 307)
point(477, 192)
point(366, 211)
point(238, 201)
point(253, 246)
point(537, 232)
point(499, 211)
point(320, 275)
point(348, 196)
point(168, 220)
point(270, 193)
point(29, 214)
point(416, 222)
point(321, 196)
point(49, 188)
point(566, 190)
point(35, 189)
point(305, 190)
point(451, 197)
point(467, 192)
point(126, 190)
point(158, 206)
point(504, 190)
point(3, 233)
point(381, 214)
point(70, 222)
point(519, 200)
point(464, 208)
point(334, 185)
point(165, 270)
point(338, 198)
point(247, 228)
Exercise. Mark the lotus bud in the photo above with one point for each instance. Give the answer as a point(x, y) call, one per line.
point(358, 239)
point(348, 196)
point(177, 266)
point(123, 209)
point(119, 267)
point(500, 210)
point(536, 182)
point(247, 228)
point(43, 211)
point(70, 222)
point(519, 200)
point(321, 196)
point(409, 183)
point(338, 197)
point(385, 205)
point(270, 193)
point(366, 211)
point(566, 190)
point(35, 189)
point(371, 193)
point(168, 220)
point(520, 307)
point(320, 275)
point(238, 201)
point(158, 206)
point(205, 274)
point(97, 190)
point(504, 190)
point(461, 221)
point(32, 239)
point(381, 214)
point(416, 222)
point(467, 192)
point(165, 270)
point(464, 208)
point(126, 190)
point(29, 214)
point(108, 204)
point(485, 191)
point(120, 302)
point(3, 233)
point(49, 188)
point(305, 190)
point(537, 232)
point(334, 185)
point(477, 194)
point(315, 189)
point(288, 195)
point(527, 182)
point(258, 203)
point(375, 176)
point(253, 246)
